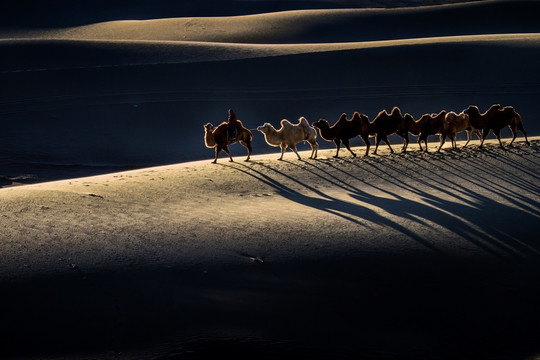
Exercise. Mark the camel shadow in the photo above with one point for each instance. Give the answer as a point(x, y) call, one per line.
point(477, 218)
point(437, 205)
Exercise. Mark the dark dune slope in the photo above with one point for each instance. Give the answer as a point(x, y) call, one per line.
point(155, 113)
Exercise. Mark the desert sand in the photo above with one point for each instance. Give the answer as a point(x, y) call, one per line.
point(409, 255)
point(162, 255)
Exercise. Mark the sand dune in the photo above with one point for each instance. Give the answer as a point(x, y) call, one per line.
point(315, 26)
point(50, 54)
point(65, 13)
point(417, 255)
point(402, 256)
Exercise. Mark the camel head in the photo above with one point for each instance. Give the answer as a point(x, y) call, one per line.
point(321, 123)
point(264, 128)
point(209, 127)
point(472, 110)
point(405, 125)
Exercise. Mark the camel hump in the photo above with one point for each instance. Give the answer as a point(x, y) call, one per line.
point(285, 122)
point(303, 122)
point(396, 111)
point(222, 126)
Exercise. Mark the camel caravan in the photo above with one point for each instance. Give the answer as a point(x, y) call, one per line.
point(444, 124)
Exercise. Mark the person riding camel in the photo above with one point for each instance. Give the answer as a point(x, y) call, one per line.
point(232, 123)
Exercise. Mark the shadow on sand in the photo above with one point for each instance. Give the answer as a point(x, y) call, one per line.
point(442, 304)
point(499, 217)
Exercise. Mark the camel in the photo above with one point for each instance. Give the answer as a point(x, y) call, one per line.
point(495, 119)
point(291, 134)
point(218, 138)
point(481, 121)
point(385, 124)
point(455, 123)
point(408, 125)
point(343, 130)
point(432, 124)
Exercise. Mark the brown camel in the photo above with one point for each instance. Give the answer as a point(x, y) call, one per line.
point(482, 121)
point(385, 124)
point(342, 131)
point(495, 119)
point(408, 125)
point(218, 138)
point(432, 124)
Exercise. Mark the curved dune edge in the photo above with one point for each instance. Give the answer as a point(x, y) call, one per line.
point(138, 52)
point(528, 37)
point(296, 24)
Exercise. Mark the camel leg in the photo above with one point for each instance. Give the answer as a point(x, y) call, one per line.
point(385, 139)
point(452, 138)
point(405, 143)
point(218, 150)
point(314, 149)
point(485, 133)
point(377, 141)
point(226, 149)
point(248, 146)
point(424, 139)
point(283, 148)
point(514, 133)
point(498, 135)
point(293, 148)
point(250, 150)
point(365, 138)
point(477, 132)
point(469, 136)
point(338, 145)
point(443, 139)
point(346, 143)
point(522, 129)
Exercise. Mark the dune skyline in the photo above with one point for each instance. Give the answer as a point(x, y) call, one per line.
point(100, 84)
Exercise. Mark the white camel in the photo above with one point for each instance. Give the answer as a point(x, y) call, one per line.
point(455, 123)
point(291, 134)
